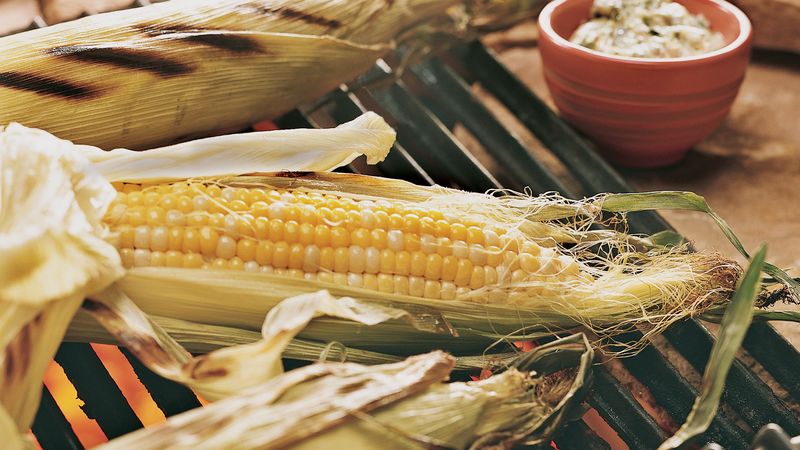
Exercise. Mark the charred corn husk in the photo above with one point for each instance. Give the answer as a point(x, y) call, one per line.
point(395, 406)
point(152, 75)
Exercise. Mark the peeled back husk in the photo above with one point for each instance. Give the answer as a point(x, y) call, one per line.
point(157, 74)
point(53, 196)
point(53, 254)
point(394, 406)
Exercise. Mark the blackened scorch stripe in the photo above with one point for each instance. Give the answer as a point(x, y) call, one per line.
point(221, 39)
point(292, 13)
point(123, 57)
point(46, 85)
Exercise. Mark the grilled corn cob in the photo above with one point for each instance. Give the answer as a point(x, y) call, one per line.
point(153, 75)
point(52, 200)
point(380, 244)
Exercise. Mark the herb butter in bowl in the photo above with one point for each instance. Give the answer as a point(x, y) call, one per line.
point(645, 79)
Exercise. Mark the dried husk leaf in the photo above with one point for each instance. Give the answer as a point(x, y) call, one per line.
point(53, 253)
point(297, 149)
point(394, 406)
point(230, 370)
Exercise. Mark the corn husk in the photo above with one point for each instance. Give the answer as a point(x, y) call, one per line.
point(229, 370)
point(54, 247)
point(395, 406)
point(53, 254)
point(153, 75)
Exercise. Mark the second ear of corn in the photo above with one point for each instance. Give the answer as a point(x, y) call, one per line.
point(402, 405)
point(173, 70)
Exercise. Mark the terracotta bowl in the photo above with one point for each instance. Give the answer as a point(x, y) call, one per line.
point(643, 112)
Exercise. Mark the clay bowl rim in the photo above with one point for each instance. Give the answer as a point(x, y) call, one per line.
point(745, 33)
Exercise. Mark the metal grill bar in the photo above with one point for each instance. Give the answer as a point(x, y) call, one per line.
point(624, 414)
point(51, 428)
point(676, 395)
point(602, 177)
point(449, 91)
point(746, 393)
point(776, 354)
point(429, 141)
point(104, 401)
point(170, 397)
point(578, 436)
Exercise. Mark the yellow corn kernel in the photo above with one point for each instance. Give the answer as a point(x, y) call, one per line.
point(433, 267)
point(264, 251)
point(360, 237)
point(433, 289)
point(126, 255)
point(276, 228)
point(478, 278)
point(280, 255)
point(339, 237)
point(402, 263)
point(464, 272)
point(327, 258)
point(174, 258)
point(208, 241)
point(386, 282)
point(401, 285)
point(192, 260)
point(341, 259)
point(449, 268)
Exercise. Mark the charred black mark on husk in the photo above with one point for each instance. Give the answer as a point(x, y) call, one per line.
point(122, 57)
point(46, 85)
point(291, 13)
point(220, 39)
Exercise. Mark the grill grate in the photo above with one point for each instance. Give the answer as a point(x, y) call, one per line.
point(423, 106)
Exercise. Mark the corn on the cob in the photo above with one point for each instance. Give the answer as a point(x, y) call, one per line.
point(382, 245)
point(52, 238)
point(153, 75)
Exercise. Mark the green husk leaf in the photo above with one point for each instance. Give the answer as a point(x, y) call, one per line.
point(735, 323)
point(668, 238)
point(689, 201)
point(759, 315)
